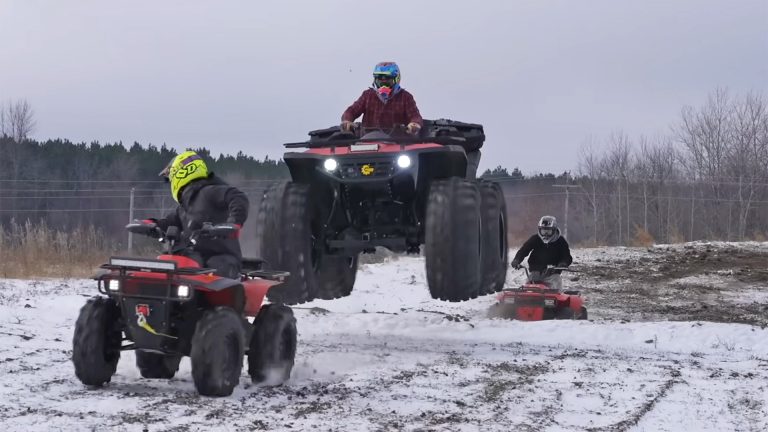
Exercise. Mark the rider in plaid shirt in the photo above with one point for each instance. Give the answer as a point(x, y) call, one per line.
point(386, 104)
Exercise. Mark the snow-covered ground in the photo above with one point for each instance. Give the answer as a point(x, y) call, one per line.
point(391, 358)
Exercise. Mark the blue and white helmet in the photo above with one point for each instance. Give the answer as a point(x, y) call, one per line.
point(548, 230)
point(386, 79)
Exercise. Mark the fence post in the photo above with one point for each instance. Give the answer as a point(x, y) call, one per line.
point(130, 219)
point(567, 188)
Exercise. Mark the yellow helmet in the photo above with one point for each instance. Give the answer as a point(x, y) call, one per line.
point(183, 169)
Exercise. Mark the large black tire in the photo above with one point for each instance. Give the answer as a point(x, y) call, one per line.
point(495, 250)
point(157, 366)
point(218, 347)
point(565, 313)
point(336, 276)
point(453, 240)
point(583, 313)
point(288, 241)
point(96, 342)
point(285, 237)
point(273, 345)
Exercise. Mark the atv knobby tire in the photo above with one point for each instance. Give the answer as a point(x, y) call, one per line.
point(218, 347)
point(273, 345)
point(336, 276)
point(97, 340)
point(493, 210)
point(155, 365)
point(453, 240)
point(288, 242)
point(583, 313)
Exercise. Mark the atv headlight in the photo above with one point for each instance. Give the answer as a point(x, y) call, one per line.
point(182, 291)
point(330, 164)
point(403, 161)
point(114, 285)
point(549, 302)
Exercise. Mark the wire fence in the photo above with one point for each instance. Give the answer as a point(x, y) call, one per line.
point(608, 210)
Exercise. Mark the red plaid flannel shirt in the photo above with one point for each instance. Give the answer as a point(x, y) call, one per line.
point(399, 109)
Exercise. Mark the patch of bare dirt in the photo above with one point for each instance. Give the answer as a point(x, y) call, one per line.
point(693, 282)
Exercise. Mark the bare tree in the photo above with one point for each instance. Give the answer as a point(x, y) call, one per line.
point(18, 120)
point(748, 153)
point(616, 165)
point(3, 128)
point(589, 168)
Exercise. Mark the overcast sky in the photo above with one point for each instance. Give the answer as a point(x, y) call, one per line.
point(249, 75)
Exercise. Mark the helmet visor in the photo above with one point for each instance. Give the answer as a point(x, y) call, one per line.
point(546, 232)
point(383, 80)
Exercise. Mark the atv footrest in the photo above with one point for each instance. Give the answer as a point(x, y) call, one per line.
point(274, 275)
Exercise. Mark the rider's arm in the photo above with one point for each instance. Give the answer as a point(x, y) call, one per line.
point(235, 201)
point(526, 249)
point(565, 254)
point(356, 109)
point(171, 219)
point(412, 111)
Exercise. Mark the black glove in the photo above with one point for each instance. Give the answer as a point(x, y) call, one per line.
point(515, 264)
point(147, 227)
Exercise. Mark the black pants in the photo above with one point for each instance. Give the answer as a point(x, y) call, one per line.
point(227, 266)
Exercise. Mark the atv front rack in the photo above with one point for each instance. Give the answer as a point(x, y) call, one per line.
point(151, 265)
point(444, 140)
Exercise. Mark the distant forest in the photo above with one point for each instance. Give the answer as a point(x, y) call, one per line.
point(69, 185)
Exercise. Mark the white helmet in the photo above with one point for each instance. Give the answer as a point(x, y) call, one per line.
point(548, 231)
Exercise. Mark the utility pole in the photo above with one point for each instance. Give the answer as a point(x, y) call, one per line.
point(130, 219)
point(567, 190)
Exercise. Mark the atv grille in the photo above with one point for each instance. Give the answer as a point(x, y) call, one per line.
point(366, 169)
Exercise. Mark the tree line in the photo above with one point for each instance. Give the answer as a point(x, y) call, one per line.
point(71, 185)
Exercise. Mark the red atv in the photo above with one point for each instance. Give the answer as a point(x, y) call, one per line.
point(536, 301)
point(172, 307)
point(351, 192)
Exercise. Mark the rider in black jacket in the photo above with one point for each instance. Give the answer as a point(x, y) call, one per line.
point(203, 197)
point(546, 248)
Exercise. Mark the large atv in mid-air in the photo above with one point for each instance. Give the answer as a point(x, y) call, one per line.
point(353, 191)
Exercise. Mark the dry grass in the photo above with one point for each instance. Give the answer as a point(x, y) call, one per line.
point(36, 250)
point(642, 238)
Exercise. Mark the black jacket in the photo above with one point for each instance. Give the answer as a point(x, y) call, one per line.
point(544, 254)
point(208, 200)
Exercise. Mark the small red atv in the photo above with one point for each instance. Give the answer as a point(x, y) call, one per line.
point(536, 301)
point(172, 307)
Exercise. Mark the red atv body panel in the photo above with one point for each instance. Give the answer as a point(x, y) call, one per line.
point(529, 302)
point(254, 290)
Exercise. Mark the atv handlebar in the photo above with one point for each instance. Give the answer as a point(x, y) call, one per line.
point(549, 270)
point(149, 228)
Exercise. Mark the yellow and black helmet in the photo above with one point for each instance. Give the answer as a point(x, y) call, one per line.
point(182, 170)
